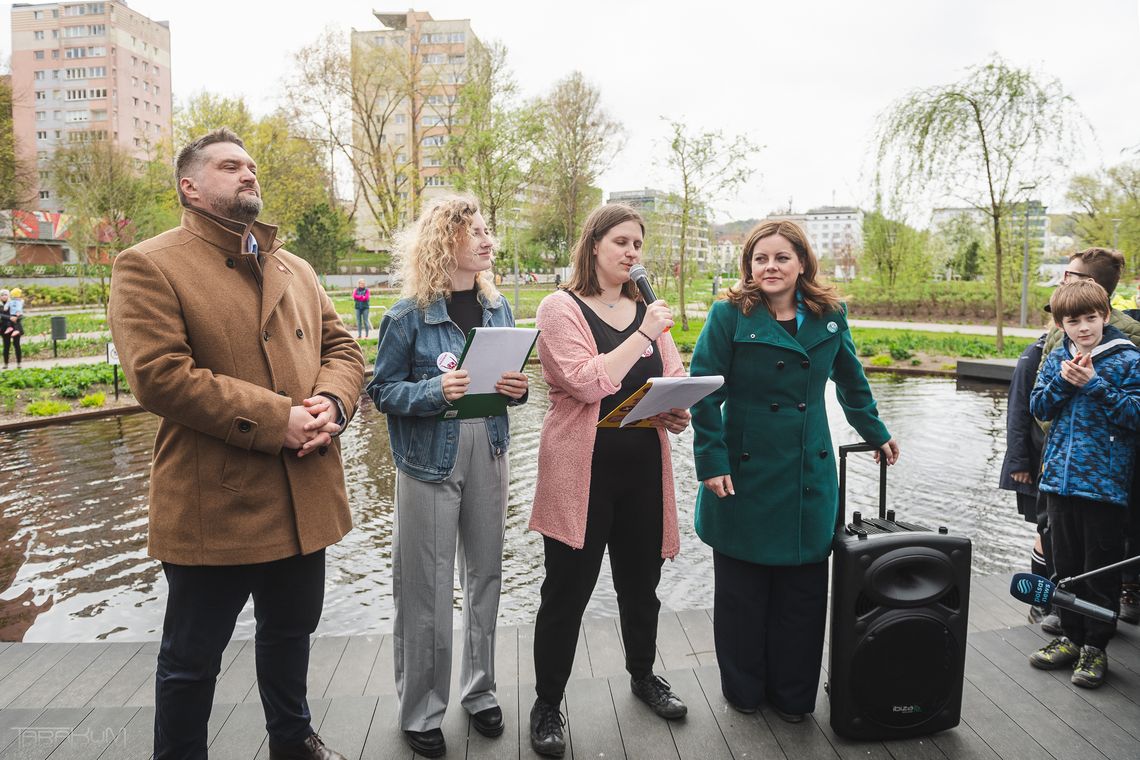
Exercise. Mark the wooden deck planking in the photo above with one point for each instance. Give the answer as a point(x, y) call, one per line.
point(1010, 710)
point(40, 738)
point(56, 679)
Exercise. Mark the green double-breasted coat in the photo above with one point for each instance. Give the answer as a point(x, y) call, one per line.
point(767, 428)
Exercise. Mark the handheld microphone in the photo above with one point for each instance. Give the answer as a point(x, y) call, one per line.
point(1038, 591)
point(640, 278)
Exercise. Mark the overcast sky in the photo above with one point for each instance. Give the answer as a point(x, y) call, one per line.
point(804, 79)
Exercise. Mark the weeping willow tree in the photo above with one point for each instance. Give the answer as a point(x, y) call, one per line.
point(981, 140)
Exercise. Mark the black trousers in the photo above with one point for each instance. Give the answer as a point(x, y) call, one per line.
point(768, 624)
point(10, 341)
point(1087, 535)
point(625, 514)
point(201, 611)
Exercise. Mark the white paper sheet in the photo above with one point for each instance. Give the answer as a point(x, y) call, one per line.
point(667, 393)
point(493, 351)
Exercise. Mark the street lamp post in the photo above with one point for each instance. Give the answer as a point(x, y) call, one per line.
point(1025, 260)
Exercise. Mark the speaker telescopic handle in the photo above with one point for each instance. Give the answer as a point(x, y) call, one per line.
point(843, 452)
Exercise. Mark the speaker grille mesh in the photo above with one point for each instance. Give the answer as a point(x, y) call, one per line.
point(952, 600)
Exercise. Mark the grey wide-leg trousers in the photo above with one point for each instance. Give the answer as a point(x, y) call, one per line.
point(467, 510)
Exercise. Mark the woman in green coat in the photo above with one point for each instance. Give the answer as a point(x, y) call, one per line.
point(764, 454)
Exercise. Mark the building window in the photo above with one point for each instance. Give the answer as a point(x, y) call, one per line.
point(457, 60)
point(41, 115)
point(55, 54)
point(434, 141)
point(37, 15)
point(399, 118)
point(456, 37)
point(45, 195)
point(41, 135)
point(432, 121)
point(41, 95)
point(97, 30)
point(97, 71)
point(38, 76)
point(38, 34)
point(434, 58)
point(439, 38)
point(425, 38)
point(39, 55)
point(433, 161)
point(434, 181)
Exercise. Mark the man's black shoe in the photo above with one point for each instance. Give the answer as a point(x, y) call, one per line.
point(656, 692)
point(428, 743)
point(546, 724)
point(310, 749)
point(489, 722)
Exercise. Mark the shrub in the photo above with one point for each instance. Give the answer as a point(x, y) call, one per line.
point(45, 407)
point(882, 360)
point(93, 400)
point(70, 391)
point(9, 397)
point(900, 353)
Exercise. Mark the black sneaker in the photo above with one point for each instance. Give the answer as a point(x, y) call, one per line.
point(428, 743)
point(1037, 613)
point(1130, 603)
point(656, 692)
point(546, 724)
point(1051, 624)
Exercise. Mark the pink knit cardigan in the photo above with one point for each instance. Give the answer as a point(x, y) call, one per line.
point(576, 373)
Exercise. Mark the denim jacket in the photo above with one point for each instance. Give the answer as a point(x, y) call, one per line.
point(407, 386)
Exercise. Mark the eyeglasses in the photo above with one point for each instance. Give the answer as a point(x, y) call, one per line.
point(1071, 275)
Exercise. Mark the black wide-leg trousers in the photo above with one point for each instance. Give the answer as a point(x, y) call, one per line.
point(768, 625)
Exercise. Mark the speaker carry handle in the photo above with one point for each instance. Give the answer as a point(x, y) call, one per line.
point(841, 516)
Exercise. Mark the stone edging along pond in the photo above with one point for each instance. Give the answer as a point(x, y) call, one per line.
point(31, 423)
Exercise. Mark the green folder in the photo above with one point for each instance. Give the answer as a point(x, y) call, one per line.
point(473, 405)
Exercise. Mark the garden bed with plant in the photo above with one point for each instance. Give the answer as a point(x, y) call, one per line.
point(36, 392)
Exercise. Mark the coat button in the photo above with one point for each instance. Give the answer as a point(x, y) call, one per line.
point(300, 333)
point(244, 426)
point(775, 407)
point(265, 335)
point(801, 406)
point(779, 365)
point(753, 335)
point(823, 453)
point(323, 450)
point(745, 457)
point(807, 489)
point(231, 263)
point(805, 364)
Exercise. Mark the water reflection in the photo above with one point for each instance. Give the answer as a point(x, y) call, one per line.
point(73, 563)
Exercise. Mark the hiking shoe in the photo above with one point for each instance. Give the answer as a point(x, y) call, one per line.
point(1129, 603)
point(546, 724)
point(656, 692)
point(1051, 624)
point(1091, 668)
point(1037, 613)
point(1056, 654)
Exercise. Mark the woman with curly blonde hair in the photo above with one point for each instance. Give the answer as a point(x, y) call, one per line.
point(451, 484)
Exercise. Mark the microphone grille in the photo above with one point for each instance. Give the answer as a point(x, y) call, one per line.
point(637, 270)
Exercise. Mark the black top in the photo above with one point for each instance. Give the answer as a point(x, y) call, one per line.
point(465, 310)
point(789, 325)
point(609, 338)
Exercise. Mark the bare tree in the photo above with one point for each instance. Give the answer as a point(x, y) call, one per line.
point(367, 101)
point(17, 173)
point(493, 139)
point(578, 141)
point(979, 140)
point(705, 165)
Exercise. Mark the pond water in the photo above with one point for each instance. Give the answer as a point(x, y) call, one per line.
point(73, 564)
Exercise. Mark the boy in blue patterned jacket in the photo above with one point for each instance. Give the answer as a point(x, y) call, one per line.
point(1089, 387)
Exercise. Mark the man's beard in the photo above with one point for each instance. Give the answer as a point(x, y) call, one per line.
point(244, 207)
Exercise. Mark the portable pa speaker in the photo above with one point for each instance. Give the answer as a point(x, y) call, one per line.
point(900, 601)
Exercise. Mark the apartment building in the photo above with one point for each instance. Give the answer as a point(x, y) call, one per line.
point(662, 212)
point(87, 71)
point(430, 59)
point(836, 235)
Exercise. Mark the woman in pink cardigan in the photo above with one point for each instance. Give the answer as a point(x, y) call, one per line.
point(600, 342)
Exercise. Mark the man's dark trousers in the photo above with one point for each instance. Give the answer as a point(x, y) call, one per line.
point(201, 611)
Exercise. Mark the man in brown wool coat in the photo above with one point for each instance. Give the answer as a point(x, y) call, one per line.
point(233, 343)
